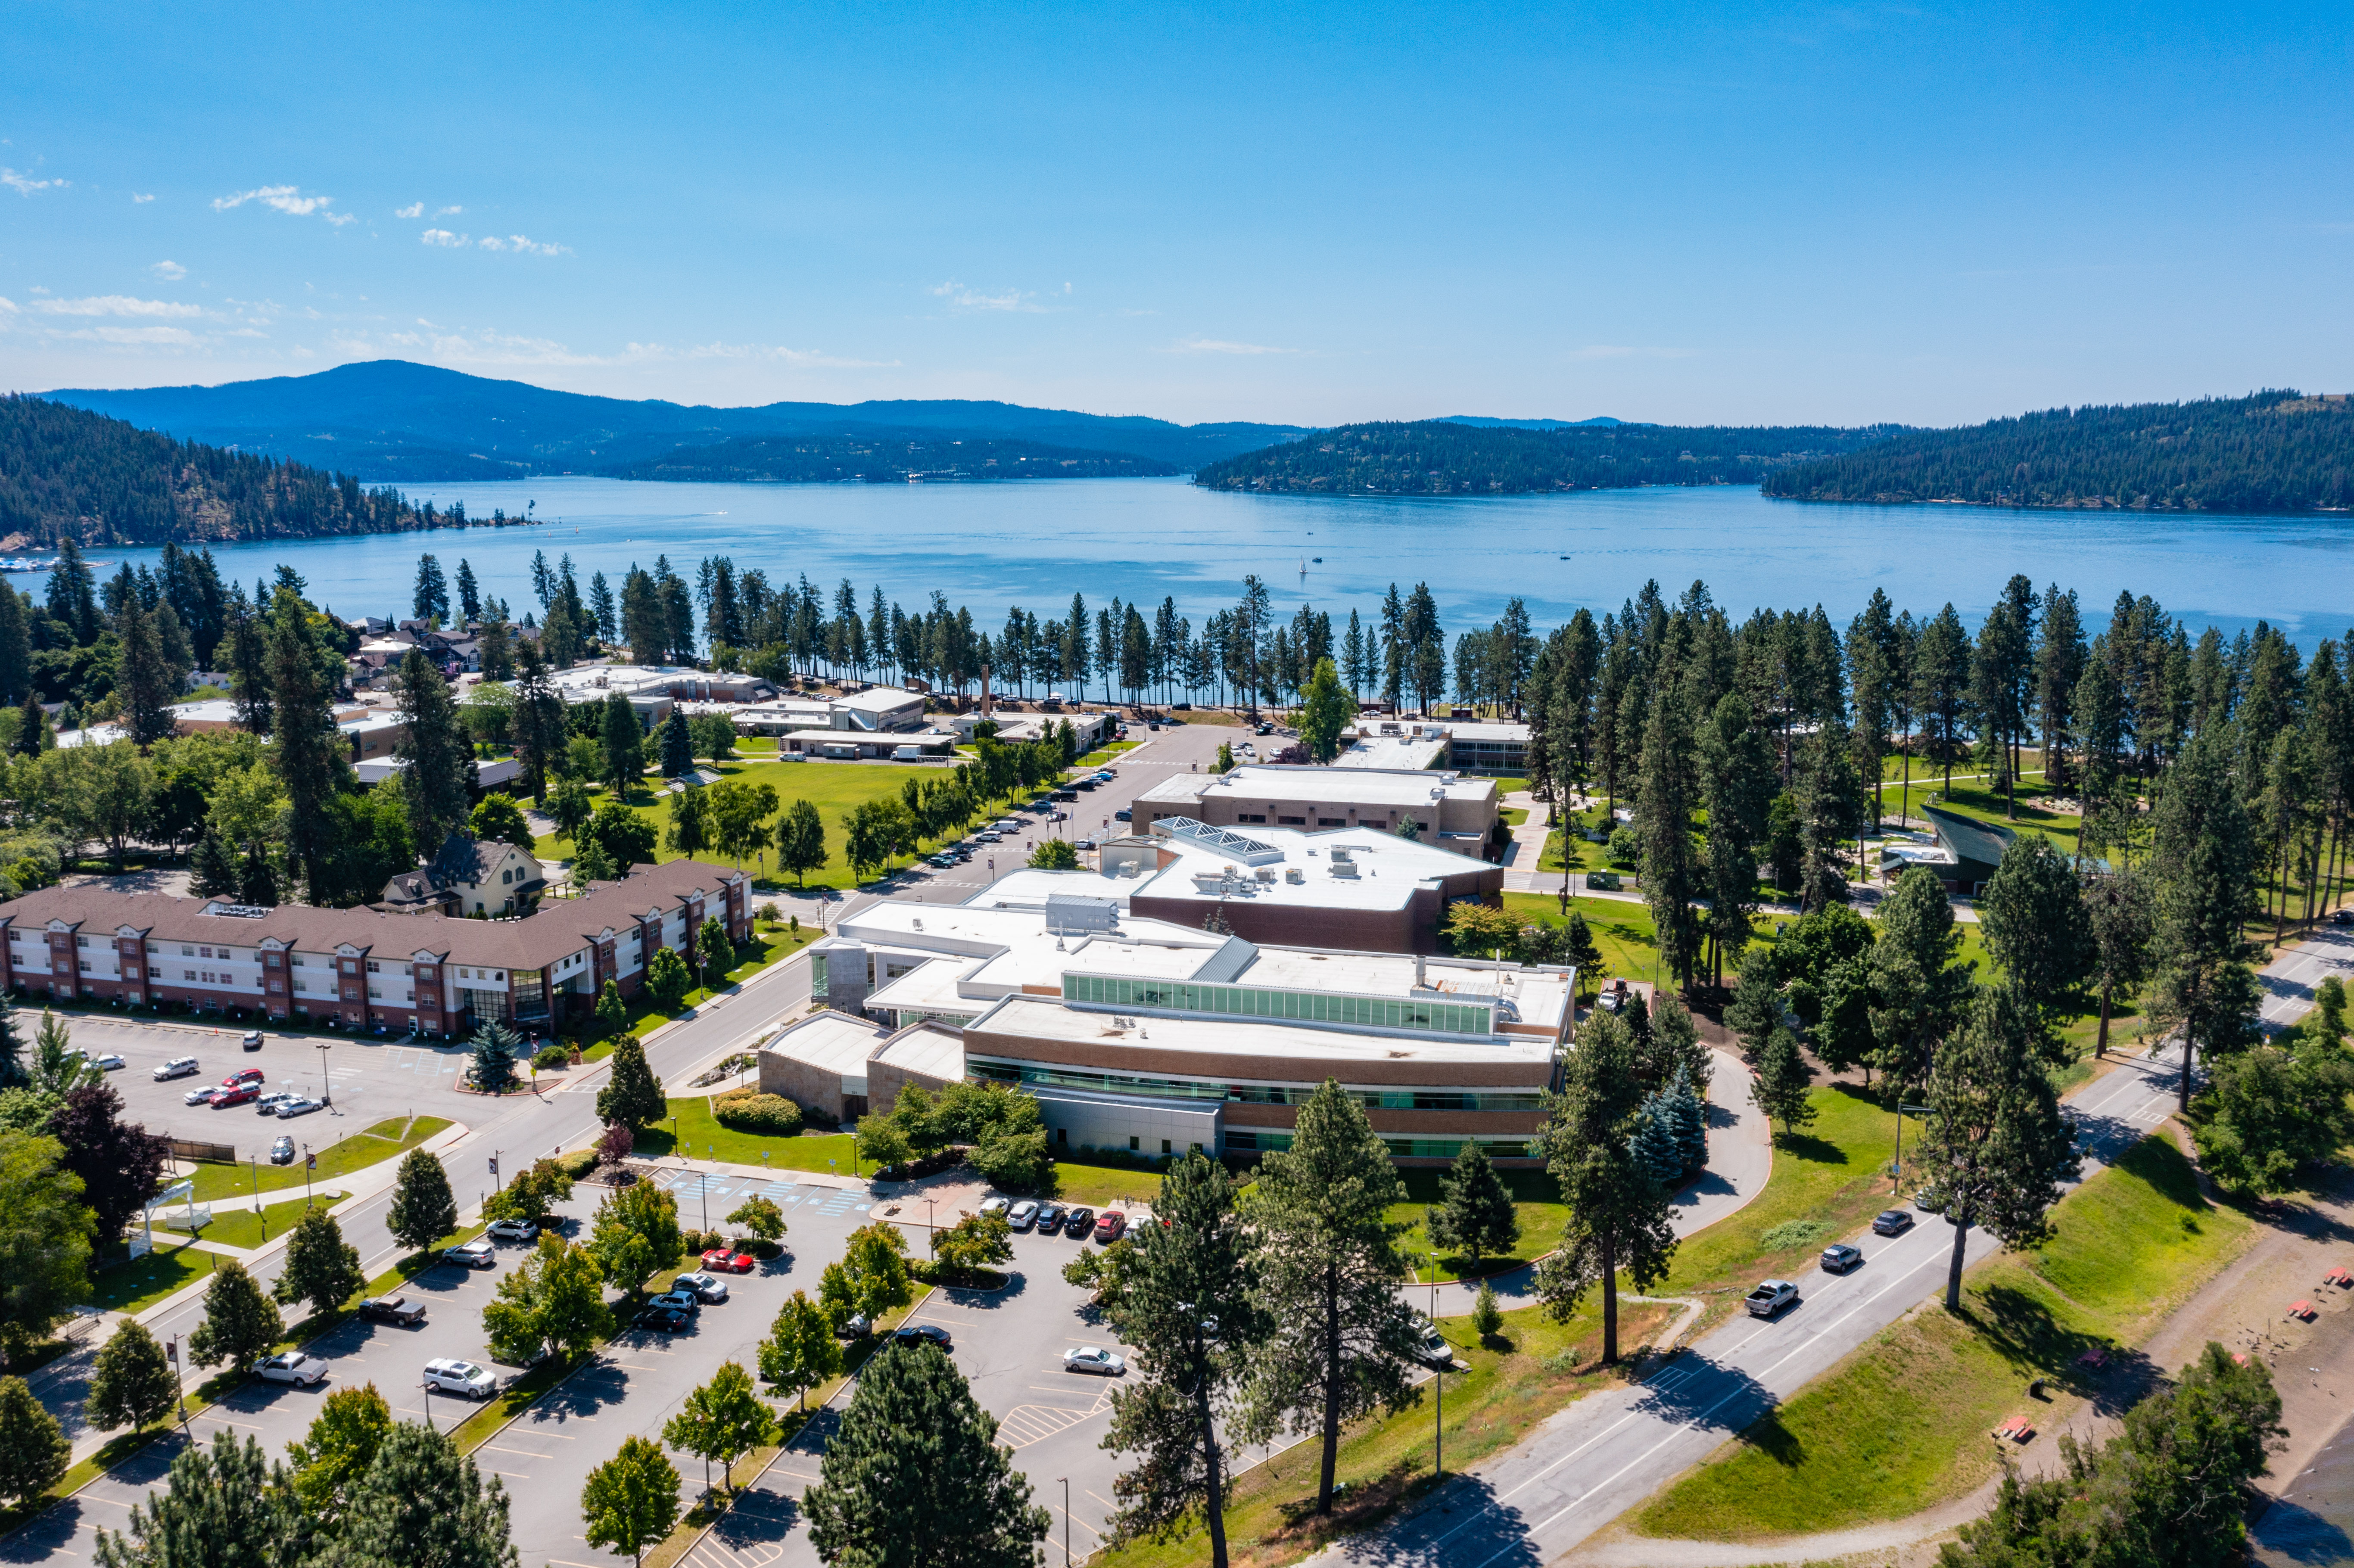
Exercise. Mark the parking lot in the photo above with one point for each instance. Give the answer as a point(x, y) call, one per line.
point(367, 1080)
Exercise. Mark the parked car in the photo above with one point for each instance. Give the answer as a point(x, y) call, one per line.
point(854, 1327)
point(1050, 1218)
point(297, 1105)
point(178, 1067)
point(233, 1095)
point(110, 1063)
point(686, 1301)
point(1891, 1223)
point(252, 1041)
point(513, 1230)
point(1111, 1226)
point(461, 1378)
point(723, 1260)
point(1770, 1297)
point(1093, 1359)
point(705, 1286)
point(292, 1367)
point(1023, 1215)
point(1265, 728)
point(1123, 815)
point(1079, 1223)
point(200, 1094)
point(475, 1254)
point(243, 1075)
point(2341, 917)
point(661, 1319)
point(995, 1206)
point(1086, 845)
point(267, 1104)
point(1839, 1257)
point(917, 1333)
point(282, 1152)
point(1430, 1346)
point(398, 1309)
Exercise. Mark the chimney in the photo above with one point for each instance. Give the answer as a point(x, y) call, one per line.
point(1417, 969)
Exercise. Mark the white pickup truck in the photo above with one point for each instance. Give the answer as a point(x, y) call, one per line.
point(1770, 1298)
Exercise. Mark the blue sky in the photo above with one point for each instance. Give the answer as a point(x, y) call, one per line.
point(1306, 213)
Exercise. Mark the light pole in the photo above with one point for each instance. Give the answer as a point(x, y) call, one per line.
point(1067, 1522)
point(326, 1089)
point(429, 1406)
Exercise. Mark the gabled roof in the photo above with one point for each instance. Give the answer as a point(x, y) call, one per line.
point(1970, 838)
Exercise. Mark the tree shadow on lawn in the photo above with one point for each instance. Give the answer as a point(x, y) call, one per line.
point(1464, 1523)
point(1806, 1146)
point(2023, 1329)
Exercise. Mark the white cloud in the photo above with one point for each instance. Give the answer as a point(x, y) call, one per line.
point(177, 337)
point(25, 184)
point(445, 211)
point(640, 352)
point(523, 245)
point(414, 209)
point(1219, 345)
point(965, 299)
point(288, 199)
point(441, 237)
point(114, 305)
point(169, 272)
point(137, 200)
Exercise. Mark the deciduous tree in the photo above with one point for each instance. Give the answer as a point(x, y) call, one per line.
point(631, 1499)
point(45, 1241)
point(341, 1444)
point(34, 1453)
point(722, 1421)
point(118, 1162)
point(802, 1351)
point(320, 1267)
point(553, 1301)
point(241, 1323)
point(422, 1211)
point(131, 1384)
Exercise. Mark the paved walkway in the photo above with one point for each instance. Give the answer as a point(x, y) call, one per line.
point(1740, 1161)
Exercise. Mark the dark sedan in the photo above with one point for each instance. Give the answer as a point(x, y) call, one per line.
point(1050, 1218)
point(1078, 1223)
point(661, 1319)
point(918, 1334)
point(1891, 1223)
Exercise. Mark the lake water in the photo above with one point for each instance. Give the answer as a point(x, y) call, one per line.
point(991, 545)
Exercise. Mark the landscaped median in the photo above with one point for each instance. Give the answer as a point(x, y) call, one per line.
point(1901, 1425)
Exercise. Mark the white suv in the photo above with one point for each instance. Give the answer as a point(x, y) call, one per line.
point(178, 1067)
point(463, 1378)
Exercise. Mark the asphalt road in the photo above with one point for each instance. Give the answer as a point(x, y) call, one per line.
point(1606, 1454)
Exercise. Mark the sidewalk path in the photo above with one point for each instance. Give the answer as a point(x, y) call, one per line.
point(1739, 1160)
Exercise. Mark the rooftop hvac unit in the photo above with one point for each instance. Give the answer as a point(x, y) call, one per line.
point(1077, 912)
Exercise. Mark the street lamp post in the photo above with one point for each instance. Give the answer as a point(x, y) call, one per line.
point(326, 1089)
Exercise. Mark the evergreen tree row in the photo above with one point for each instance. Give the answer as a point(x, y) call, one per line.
point(834, 459)
point(2273, 451)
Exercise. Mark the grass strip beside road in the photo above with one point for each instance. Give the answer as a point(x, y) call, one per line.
point(225, 1183)
point(1532, 1368)
point(244, 1228)
point(770, 944)
point(1900, 1425)
point(689, 1129)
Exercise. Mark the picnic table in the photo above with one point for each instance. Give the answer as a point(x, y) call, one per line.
point(2018, 1429)
point(2096, 1358)
point(2338, 1277)
point(2301, 1310)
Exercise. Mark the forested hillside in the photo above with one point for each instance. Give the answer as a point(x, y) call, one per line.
point(2276, 451)
point(817, 460)
point(66, 472)
point(1443, 457)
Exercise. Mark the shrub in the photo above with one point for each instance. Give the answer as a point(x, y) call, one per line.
point(770, 1115)
point(768, 915)
point(1626, 847)
point(552, 1056)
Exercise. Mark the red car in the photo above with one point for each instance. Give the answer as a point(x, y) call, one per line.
point(1111, 1226)
point(235, 1095)
point(245, 1076)
point(719, 1260)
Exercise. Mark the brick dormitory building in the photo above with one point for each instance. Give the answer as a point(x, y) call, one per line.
point(364, 968)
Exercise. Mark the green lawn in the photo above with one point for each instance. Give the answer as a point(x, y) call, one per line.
point(133, 1286)
point(698, 1136)
point(1900, 1425)
point(1827, 1181)
point(1531, 1369)
point(1623, 929)
point(1077, 1181)
point(243, 1227)
point(224, 1184)
point(832, 787)
point(775, 942)
point(1536, 1202)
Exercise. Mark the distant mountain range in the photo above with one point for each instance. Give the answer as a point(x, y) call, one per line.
point(390, 421)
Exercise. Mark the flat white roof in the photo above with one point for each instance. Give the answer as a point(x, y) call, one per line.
point(1379, 870)
point(1029, 888)
point(930, 987)
point(830, 1041)
point(880, 699)
point(1281, 781)
point(1046, 1019)
point(1388, 751)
